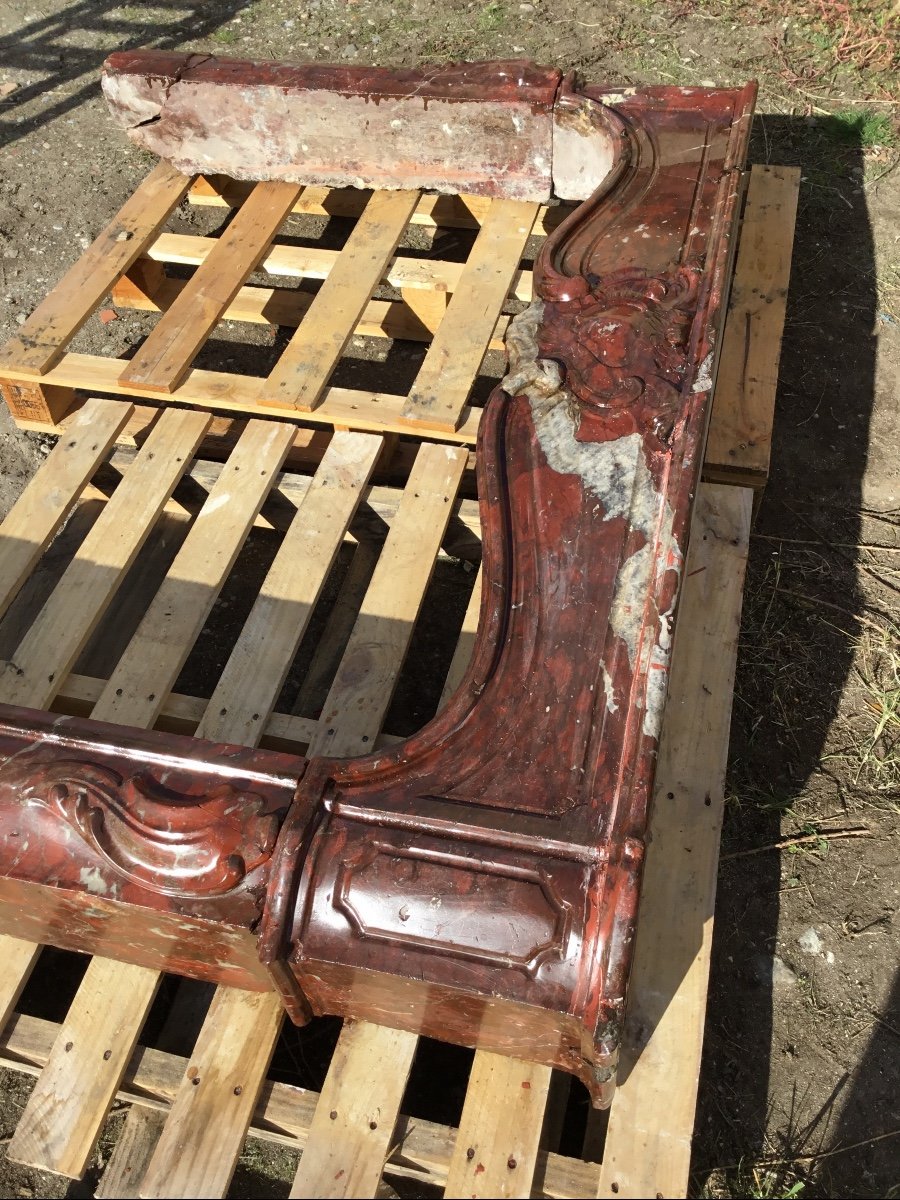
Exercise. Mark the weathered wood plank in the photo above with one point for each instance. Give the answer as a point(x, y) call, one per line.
point(216, 1098)
point(354, 710)
point(648, 1144)
point(314, 262)
point(445, 379)
point(300, 375)
point(53, 492)
point(350, 1134)
point(63, 626)
point(421, 1150)
point(342, 407)
point(499, 1134)
point(251, 682)
point(176, 614)
point(17, 961)
point(62, 1119)
point(40, 341)
point(740, 434)
point(161, 362)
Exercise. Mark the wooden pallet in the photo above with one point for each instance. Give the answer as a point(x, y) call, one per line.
point(110, 634)
point(456, 310)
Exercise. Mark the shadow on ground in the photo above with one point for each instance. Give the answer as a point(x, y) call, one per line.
point(803, 610)
point(44, 45)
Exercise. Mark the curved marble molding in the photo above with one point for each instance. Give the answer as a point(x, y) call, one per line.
point(479, 881)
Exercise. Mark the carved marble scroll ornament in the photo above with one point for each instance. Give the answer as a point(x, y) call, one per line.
point(478, 882)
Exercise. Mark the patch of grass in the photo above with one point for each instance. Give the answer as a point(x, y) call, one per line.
point(492, 16)
point(862, 127)
point(226, 36)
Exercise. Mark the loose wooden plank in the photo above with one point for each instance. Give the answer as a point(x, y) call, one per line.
point(161, 362)
point(61, 1121)
point(442, 387)
point(228, 1065)
point(740, 435)
point(350, 1134)
point(314, 262)
point(80, 599)
point(52, 493)
point(343, 407)
point(40, 341)
point(648, 1144)
point(499, 1134)
point(302, 372)
point(177, 612)
point(17, 961)
point(251, 682)
point(353, 711)
point(421, 1150)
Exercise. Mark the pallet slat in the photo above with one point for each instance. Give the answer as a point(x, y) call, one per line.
point(740, 434)
point(313, 262)
point(53, 492)
point(648, 1144)
point(353, 712)
point(60, 631)
point(251, 682)
point(302, 372)
point(421, 1149)
point(40, 341)
point(17, 960)
point(61, 1122)
point(160, 363)
point(176, 614)
point(445, 379)
point(350, 1134)
point(499, 1134)
point(346, 408)
point(229, 1063)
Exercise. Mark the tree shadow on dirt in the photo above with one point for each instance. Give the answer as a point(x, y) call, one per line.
point(43, 45)
point(802, 612)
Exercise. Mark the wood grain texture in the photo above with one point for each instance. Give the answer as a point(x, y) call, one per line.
point(648, 1144)
point(740, 435)
point(62, 1119)
point(313, 262)
point(176, 614)
point(445, 379)
point(161, 362)
point(251, 682)
point(420, 1152)
point(362, 690)
point(17, 961)
point(53, 492)
point(216, 1098)
point(300, 375)
point(351, 1132)
point(88, 585)
point(499, 1134)
point(40, 341)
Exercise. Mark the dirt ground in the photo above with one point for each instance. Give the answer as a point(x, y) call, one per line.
point(801, 1071)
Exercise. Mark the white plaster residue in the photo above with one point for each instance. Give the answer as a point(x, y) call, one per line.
point(611, 705)
point(92, 879)
point(657, 687)
point(618, 97)
point(703, 382)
